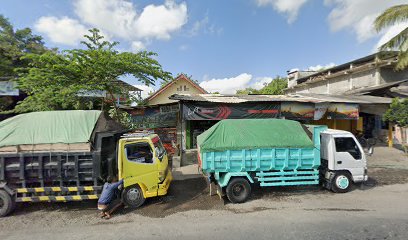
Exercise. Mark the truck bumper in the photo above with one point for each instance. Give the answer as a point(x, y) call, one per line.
point(164, 187)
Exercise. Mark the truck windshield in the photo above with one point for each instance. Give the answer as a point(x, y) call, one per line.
point(347, 144)
point(158, 147)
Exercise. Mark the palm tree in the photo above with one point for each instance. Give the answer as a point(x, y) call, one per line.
point(389, 17)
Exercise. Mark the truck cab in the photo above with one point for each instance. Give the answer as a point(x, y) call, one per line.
point(343, 160)
point(143, 165)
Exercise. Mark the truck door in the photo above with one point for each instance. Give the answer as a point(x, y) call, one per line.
point(140, 166)
point(349, 156)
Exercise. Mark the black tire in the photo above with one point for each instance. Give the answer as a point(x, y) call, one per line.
point(341, 182)
point(12, 206)
point(6, 203)
point(238, 190)
point(133, 196)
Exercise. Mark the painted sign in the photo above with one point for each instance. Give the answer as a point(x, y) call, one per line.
point(297, 111)
point(211, 111)
point(8, 88)
point(343, 111)
point(320, 110)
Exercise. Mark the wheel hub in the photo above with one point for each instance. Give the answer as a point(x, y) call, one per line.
point(342, 182)
point(237, 189)
point(133, 194)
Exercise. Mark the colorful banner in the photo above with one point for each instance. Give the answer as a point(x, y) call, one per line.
point(320, 110)
point(343, 111)
point(219, 111)
point(297, 111)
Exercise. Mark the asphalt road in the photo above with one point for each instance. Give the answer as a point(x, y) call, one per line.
point(375, 210)
point(366, 213)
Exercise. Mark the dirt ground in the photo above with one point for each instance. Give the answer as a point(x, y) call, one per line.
point(193, 194)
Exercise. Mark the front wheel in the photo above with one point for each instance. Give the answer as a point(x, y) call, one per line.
point(6, 203)
point(133, 196)
point(238, 190)
point(341, 183)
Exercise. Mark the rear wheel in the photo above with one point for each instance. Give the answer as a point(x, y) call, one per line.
point(238, 190)
point(341, 182)
point(6, 203)
point(133, 196)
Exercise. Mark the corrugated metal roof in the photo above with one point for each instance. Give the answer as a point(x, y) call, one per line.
point(315, 98)
point(366, 90)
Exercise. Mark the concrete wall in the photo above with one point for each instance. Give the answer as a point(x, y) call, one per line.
point(180, 87)
point(347, 82)
point(390, 75)
point(339, 85)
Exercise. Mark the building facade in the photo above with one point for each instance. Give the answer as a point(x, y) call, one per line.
point(373, 75)
point(180, 85)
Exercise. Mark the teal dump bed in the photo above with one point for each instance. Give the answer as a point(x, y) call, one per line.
point(237, 134)
point(278, 152)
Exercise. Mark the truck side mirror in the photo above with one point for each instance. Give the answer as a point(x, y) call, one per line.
point(370, 150)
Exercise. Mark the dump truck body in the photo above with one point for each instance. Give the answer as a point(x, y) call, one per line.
point(39, 170)
point(273, 152)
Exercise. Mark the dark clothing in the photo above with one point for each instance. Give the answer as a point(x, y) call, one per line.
point(112, 204)
point(108, 192)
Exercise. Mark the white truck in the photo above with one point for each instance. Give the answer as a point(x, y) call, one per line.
point(236, 154)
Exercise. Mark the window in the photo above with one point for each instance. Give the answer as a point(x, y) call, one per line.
point(347, 144)
point(158, 147)
point(186, 88)
point(139, 152)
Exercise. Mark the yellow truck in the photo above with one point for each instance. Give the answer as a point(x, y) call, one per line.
point(67, 156)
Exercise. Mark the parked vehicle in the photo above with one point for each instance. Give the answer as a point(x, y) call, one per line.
point(67, 156)
point(236, 154)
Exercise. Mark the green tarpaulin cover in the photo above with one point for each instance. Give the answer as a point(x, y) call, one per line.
point(234, 134)
point(48, 127)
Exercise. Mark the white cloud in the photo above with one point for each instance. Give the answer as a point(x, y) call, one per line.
point(121, 19)
point(227, 85)
point(145, 90)
point(198, 25)
point(204, 26)
point(138, 46)
point(62, 30)
point(321, 67)
point(357, 16)
point(261, 82)
point(288, 7)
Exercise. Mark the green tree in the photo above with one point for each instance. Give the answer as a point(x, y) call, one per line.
point(247, 91)
point(390, 17)
point(14, 44)
point(275, 87)
point(55, 80)
point(398, 114)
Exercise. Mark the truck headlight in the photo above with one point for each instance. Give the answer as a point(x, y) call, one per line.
point(162, 175)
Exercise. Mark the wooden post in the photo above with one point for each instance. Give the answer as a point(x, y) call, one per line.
point(334, 124)
point(390, 140)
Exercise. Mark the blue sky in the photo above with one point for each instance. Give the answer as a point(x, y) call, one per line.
point(226, 45)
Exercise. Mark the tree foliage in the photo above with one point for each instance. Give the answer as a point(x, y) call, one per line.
point(14, 44)
point(56, 80)
point(275, 87)
point(398, 112)
point(390, 17)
